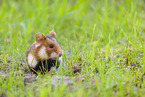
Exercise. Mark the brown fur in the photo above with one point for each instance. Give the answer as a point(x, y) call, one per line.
point(52, 34)
point(44, 41)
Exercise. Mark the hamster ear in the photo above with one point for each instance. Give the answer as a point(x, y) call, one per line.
point(52, 33)
point(40, 37)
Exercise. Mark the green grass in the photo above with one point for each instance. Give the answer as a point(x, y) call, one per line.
point(105, 34)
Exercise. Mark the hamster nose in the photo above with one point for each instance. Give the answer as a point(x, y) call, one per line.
point(60, 53)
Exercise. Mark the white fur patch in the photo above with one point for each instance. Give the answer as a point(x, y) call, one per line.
point(60, 59)
point(37, 45)
point(42, 53)
point(53, 55)
point(31, 60)
point(52, 68)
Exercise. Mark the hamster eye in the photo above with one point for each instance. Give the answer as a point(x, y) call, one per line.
point(51, 46)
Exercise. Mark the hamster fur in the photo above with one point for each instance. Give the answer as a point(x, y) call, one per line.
point(45, 53)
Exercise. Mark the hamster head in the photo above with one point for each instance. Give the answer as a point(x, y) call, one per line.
point(47, 46)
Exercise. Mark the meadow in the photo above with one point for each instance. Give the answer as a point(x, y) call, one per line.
point(103, 43)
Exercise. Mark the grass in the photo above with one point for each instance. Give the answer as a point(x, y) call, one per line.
point(105, 34)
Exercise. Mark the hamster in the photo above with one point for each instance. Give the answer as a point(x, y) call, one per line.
point(44, 54)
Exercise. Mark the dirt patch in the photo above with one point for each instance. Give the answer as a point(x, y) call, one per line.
point(56, 80)
point(29, 78)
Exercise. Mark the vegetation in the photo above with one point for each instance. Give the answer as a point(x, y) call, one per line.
point(105, 38)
